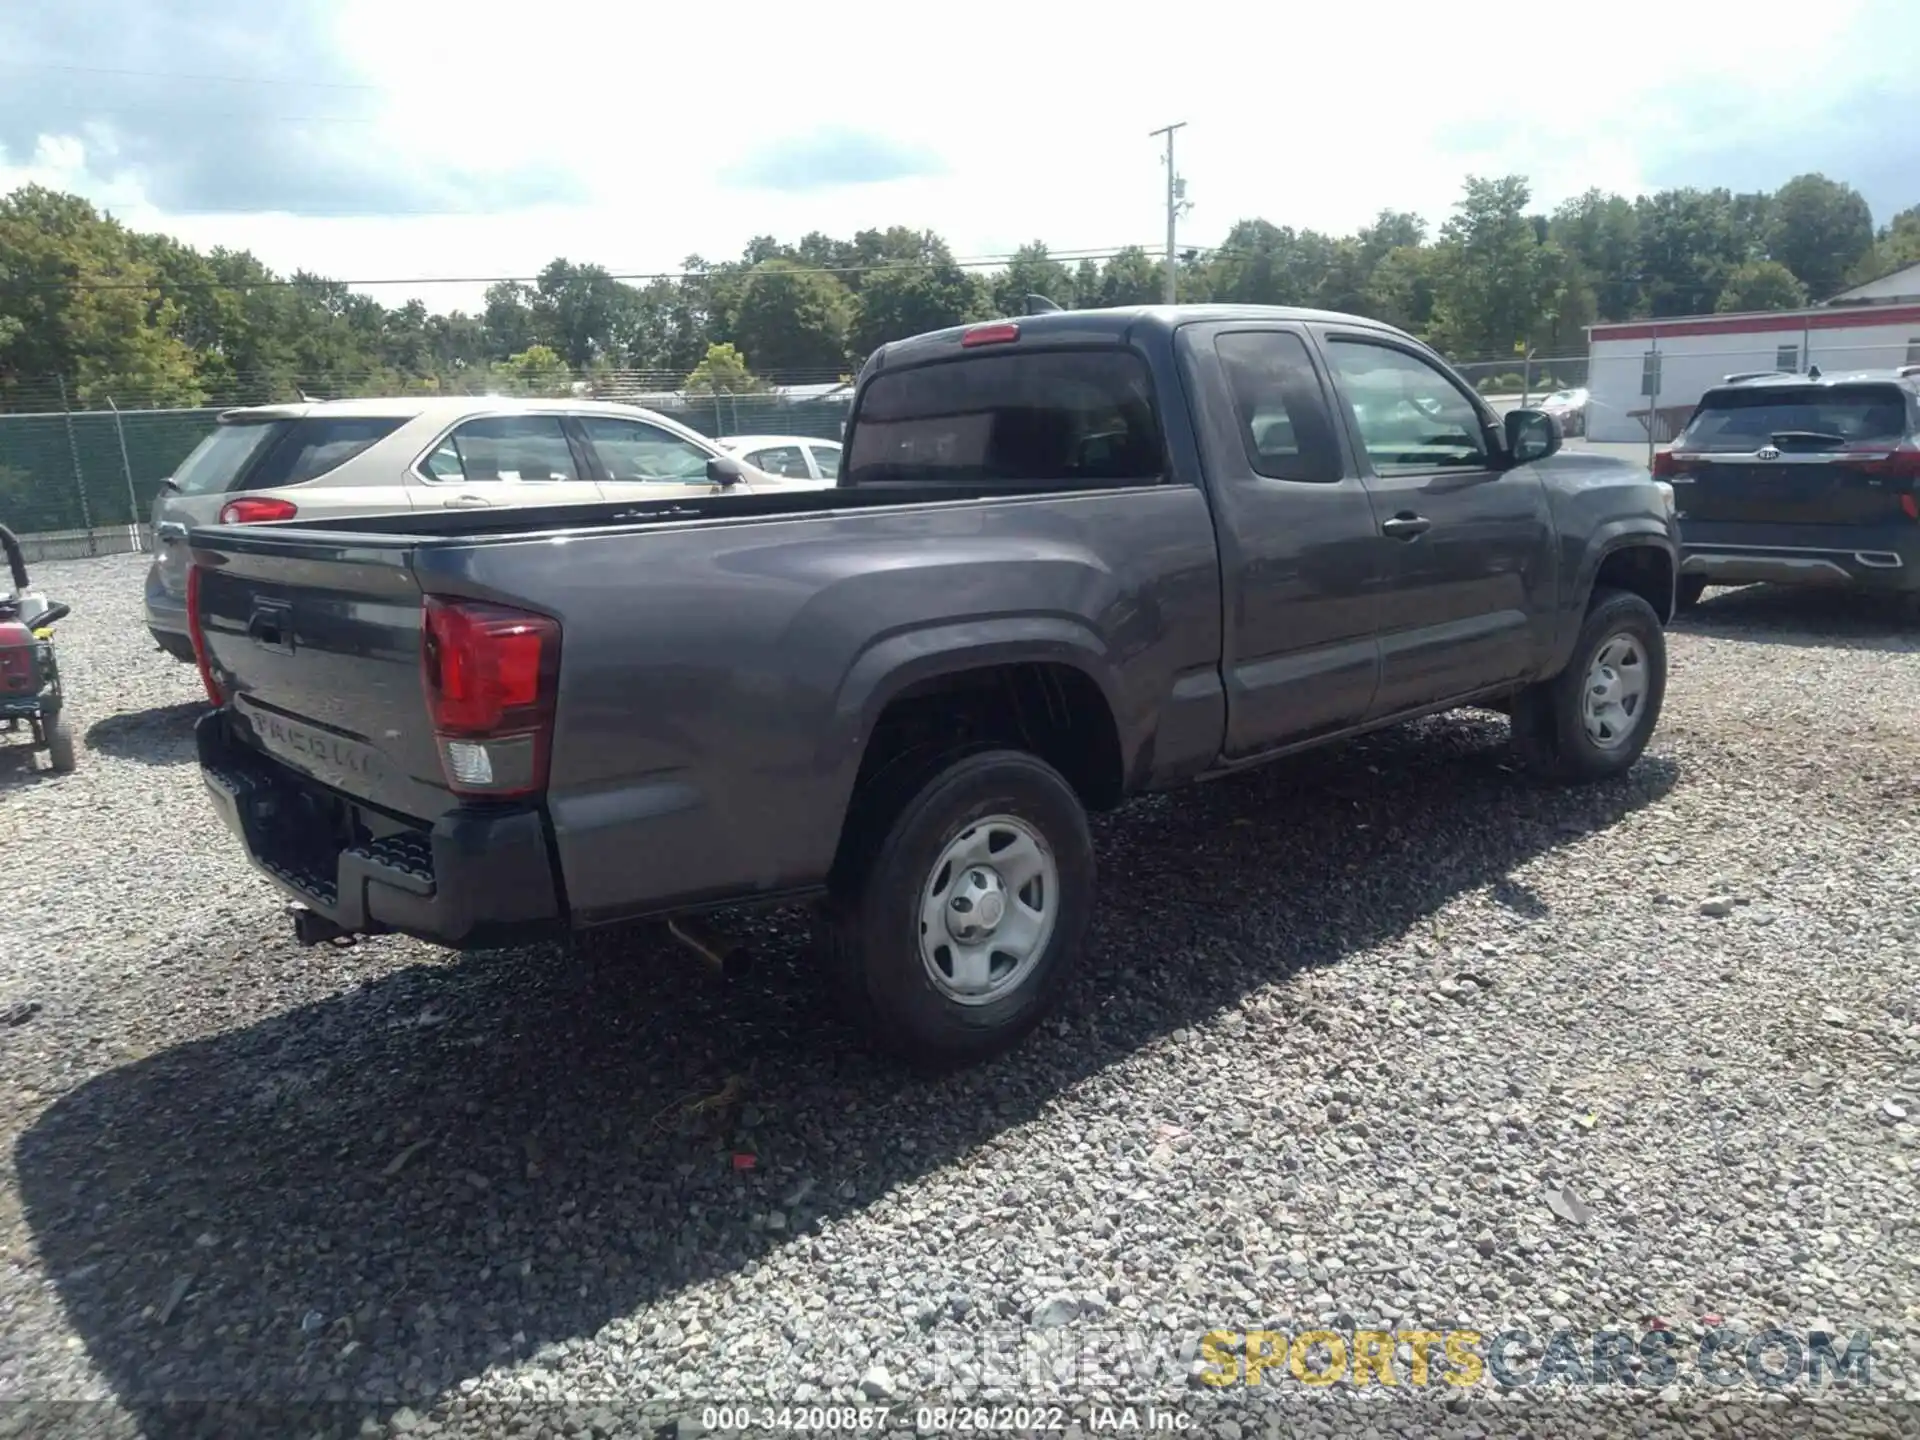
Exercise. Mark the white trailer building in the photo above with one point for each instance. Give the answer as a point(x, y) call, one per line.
point(1696, 351)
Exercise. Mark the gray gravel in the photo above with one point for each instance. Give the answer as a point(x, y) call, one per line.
point(1386, 1036)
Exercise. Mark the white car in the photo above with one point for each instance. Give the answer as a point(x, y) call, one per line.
point(792, 457)
point(365, 457)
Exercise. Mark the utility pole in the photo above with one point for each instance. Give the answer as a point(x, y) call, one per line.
point(1176, 205)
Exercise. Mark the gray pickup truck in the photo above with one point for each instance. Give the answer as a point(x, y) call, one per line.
point(1070, 558)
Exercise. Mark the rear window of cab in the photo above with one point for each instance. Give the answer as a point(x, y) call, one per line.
point(1043, 418)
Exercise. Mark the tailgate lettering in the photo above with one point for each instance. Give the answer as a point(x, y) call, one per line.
point(327, 756)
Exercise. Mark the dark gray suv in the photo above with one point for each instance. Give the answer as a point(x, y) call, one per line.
point(1801, 480)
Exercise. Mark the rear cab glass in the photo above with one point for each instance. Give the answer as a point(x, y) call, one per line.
point(1798, 418)
point(269, 454)
point(1039, 419)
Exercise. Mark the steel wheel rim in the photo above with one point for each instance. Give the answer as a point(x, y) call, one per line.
point(987, 909)
point(1614, 701)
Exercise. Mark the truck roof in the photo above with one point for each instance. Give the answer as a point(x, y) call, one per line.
point(1114, 325)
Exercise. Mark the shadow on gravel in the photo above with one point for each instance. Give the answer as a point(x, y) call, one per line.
point(21, 765)
point(160, 736)
point(376, 1196)
point(1784, 615)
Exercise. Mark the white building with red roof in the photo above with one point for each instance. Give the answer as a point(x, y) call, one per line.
point(1874, 326)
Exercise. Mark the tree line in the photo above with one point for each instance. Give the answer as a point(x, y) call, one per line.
point(99, 311)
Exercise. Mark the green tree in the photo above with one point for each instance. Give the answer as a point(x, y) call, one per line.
point(722, 371)
point(1601, 233)
point(1391, 230)
point(579, 310)
point(819, 251)
point(1762, 285)
point(509, 320)
point(1689, 242)
point(1895, 246)
point(793, 319)
point(456, 342)
point(1820, 230)
point(1402, 287)
point(1086, 285)
point(912, 297)
point(1260, 263)
point(85, 303)
point(537, 370)
point(1495, 283)
point(1031, 272)
point(1132, 277)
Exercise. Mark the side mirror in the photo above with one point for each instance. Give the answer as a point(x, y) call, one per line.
point(725, 471)
point(1531, 435)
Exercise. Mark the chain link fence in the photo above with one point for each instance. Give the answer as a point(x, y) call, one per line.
point(81, 481)
point(1517, 375)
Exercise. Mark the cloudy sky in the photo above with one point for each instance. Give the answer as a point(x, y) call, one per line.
point(396, 138)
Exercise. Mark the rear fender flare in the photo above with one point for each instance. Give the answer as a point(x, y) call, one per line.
point(898, 661)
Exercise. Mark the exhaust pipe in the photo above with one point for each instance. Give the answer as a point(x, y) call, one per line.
point(726, 957)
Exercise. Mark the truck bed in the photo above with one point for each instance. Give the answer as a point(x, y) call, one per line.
point(721, 665)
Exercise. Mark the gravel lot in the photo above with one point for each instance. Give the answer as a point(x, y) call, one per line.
point(1344, 1026)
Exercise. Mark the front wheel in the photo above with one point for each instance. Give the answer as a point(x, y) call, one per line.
point(960, 931)
point(60, 745)
point(1593, 719)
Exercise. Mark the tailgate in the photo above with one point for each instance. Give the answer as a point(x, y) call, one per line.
point(317, 645)
point(1786, 490)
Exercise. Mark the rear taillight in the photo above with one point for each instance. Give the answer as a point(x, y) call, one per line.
point(1900, 463)
point(1664, 465)
point(1003, 333)
point(491, 673)
point(253, 512)
point(196, 631)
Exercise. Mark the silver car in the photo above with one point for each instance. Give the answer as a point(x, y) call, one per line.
point(363, 457)
point(796, 457)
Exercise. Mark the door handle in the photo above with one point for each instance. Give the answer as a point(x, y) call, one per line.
point(170, 530)
point(467, 502)
point(1405, 526)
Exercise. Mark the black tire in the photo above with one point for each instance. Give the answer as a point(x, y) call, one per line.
point(60, 746)
point(871, 923)
point(1549, 728)
point(1688, 590)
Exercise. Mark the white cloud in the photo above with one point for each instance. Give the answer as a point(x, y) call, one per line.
point(1033, 118)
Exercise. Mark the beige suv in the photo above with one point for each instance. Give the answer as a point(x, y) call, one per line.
point(363, 457)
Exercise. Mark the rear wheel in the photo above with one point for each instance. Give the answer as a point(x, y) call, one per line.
point(956, 930)
point(1593, 719)
point(60, 745)
point(1688, 590)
